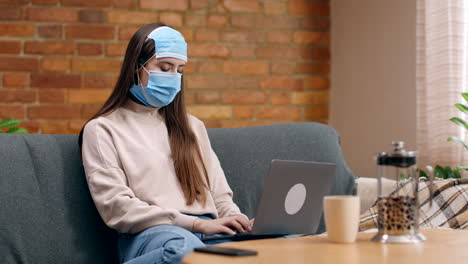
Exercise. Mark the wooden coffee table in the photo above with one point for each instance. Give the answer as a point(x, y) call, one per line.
point(443, 246)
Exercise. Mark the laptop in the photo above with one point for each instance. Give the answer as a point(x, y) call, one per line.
point(291, 202)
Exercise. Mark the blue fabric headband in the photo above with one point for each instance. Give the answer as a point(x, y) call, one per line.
point(169, 42)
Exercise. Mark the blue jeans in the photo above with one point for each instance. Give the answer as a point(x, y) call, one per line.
point(159, 244)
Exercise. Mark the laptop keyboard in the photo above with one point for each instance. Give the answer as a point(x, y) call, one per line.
point(238, 237)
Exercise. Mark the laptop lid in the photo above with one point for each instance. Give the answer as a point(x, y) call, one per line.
point(291, 202)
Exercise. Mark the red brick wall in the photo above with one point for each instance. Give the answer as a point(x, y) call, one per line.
point(252, 62)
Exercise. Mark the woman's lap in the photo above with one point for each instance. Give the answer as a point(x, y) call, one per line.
point(161, 244)
point(157, 244)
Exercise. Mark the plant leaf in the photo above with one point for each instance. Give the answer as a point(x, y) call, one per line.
point(459, 140)
point(439, 172)
point(9, 122)
point(448, 172)
point(461, 168)
point(17, 130)
point(465, 95)
point(422, 174)
point(456, 174)
point(459, 122)
point(462, 108)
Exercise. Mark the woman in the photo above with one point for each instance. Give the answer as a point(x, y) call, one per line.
point(149, 165)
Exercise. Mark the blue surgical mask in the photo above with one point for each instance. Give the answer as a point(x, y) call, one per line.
point(161, 90)
point(162, 87)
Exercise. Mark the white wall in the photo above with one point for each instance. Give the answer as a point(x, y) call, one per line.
point(373, 78)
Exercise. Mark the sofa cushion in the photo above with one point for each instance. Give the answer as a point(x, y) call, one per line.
point(449, 208)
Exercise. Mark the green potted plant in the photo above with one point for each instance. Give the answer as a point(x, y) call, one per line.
point(448, 172)
point(10, 125)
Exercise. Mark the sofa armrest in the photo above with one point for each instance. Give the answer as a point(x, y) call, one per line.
point(367, 191)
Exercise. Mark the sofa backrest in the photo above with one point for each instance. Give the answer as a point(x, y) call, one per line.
point(245, 155)
point(48, 216)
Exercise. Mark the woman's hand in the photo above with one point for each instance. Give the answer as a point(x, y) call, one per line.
point(225, 225)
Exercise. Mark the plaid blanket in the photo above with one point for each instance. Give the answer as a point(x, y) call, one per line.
point(449, 206)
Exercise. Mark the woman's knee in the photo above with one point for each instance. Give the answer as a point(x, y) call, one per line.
point(161, 244)
point(182, 242)
point(177, 243)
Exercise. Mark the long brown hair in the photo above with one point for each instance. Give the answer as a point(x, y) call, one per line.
point(188, 163)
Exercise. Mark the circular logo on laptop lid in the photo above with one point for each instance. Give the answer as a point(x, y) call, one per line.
point(295, 199)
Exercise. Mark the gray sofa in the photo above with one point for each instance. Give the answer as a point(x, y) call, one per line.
point(48, 216)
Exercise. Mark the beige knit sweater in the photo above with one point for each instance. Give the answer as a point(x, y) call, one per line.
point(131, 175)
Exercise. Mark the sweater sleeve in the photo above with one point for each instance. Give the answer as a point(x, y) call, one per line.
point(117, 204)
point(220, 190)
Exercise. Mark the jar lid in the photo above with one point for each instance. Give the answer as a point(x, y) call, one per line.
point(399, 157)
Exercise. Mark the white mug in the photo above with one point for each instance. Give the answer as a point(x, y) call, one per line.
point(341, 217)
